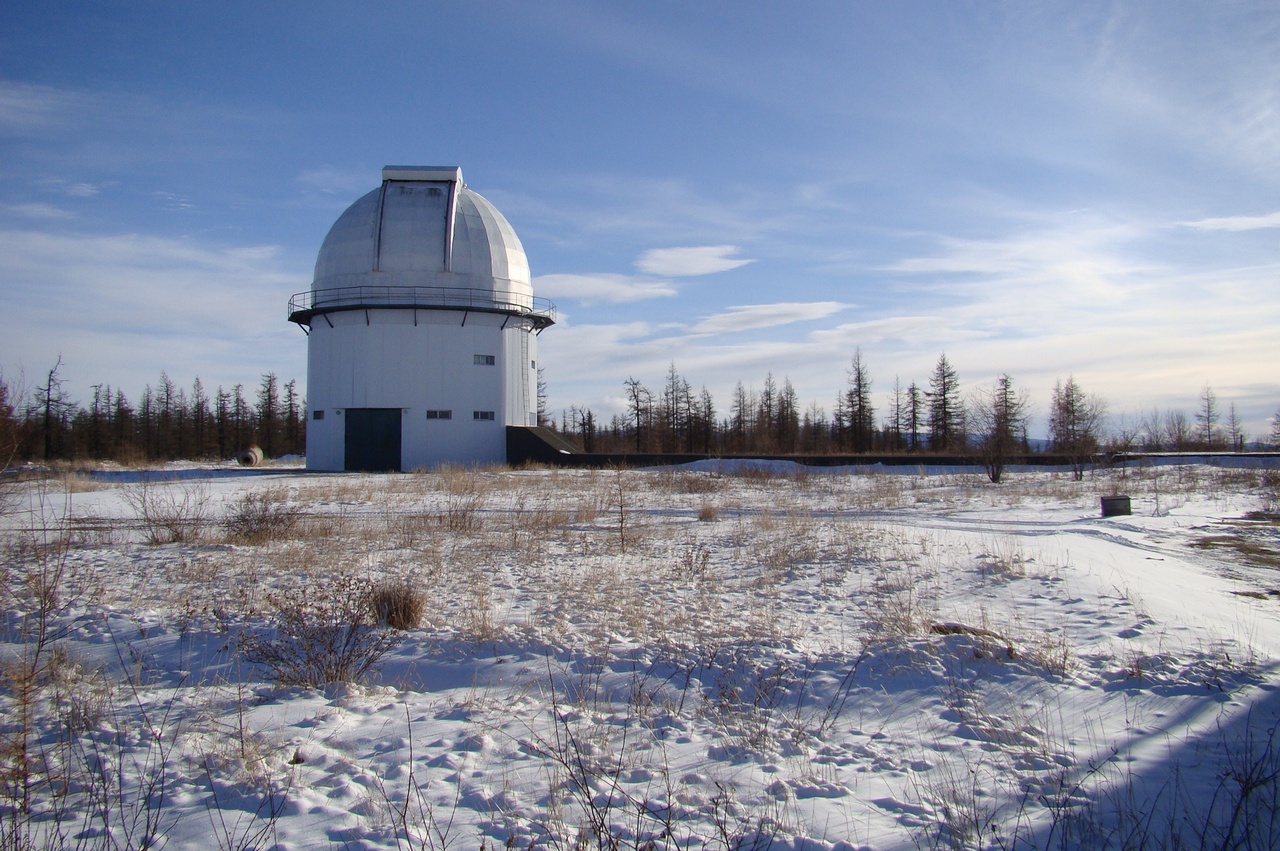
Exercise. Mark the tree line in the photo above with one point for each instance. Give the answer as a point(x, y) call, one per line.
point(168, 422)
point(171, 422)
point(989, 423)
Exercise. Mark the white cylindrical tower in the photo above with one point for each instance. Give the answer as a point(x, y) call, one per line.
point(422, 329)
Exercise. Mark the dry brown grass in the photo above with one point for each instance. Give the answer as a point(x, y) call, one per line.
point(260, 516)
point(676, 481)
point(1247, 549)
point(171, 511)
point(399, 604)
point(78, 481)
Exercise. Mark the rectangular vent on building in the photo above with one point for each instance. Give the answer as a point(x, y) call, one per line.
point(482, 415)
point(439, 415)
point(317, 415)
point(485, 360)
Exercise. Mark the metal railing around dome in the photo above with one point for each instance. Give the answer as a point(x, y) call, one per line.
point(303, 306)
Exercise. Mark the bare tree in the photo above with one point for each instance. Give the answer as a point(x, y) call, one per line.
point(787, 425)
point(55, 409)
point(673, 411)
point(543, 418)
point(241, 419)
point(1235, 431)
point(1126, 433)
point(860, 413)
point(269, 414)
point(640, 404)
point(1178, 434)
point(10, 439)
point(915, 410)
point(766, 415)
point(294, 422)
point(124, 426)
point(946, 411)
point(222, 422)
point(897, 416)
point(815, 431)
point(1152, 430)
point(583, 421)
point(998, 420)
point(740, 413)
point(706, 420)
point(1207, 418)
point(1075, 422)
point(201, 417)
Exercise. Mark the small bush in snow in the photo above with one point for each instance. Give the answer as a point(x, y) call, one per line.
point(259, 516)
point(325, 631)
point(399, 605)
point(169, 512)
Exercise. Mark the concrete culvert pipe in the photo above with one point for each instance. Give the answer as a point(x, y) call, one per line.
point(251, 457)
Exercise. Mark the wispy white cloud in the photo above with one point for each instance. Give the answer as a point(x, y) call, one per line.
point(602, 288)
point(26, 108)
point(749, 317)
point(173, 201)
point(1236, 223)
point(352, 182)
point(1212, 96)
point(69, 188)
point(120, 308)
point(39, 210)
point(1084, 295)
point(645, 209)
point(904, 330)
point(690, 261)
point(1036, 281)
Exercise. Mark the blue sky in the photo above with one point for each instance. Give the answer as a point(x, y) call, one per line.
point(741, 188)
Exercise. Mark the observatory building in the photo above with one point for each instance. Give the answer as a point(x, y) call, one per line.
point(422, 329)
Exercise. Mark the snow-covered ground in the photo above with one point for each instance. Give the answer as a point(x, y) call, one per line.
point(687, 658)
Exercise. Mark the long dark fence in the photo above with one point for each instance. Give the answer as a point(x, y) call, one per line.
point(529, 445)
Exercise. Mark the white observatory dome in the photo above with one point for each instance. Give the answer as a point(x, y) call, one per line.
point(424, 228)
point(421, 329)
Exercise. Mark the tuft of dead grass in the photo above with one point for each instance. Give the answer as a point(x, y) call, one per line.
point(399, 604)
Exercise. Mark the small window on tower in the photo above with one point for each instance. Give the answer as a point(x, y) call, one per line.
point(485, 360)
point(482, 415)
point(317, 415)
point(439, 415)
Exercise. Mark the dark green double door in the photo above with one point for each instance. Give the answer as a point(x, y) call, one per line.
point(372, 439)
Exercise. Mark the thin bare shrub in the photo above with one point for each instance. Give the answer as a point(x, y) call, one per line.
point(685, 481)
point(465, 492)
point(170, 512)
point(77, 481)
point(902, 608)
point(1270, 484)
point(479, 621)
point(324, 631)
point(620, 497)
point(68, 770)
point(410, 528)
point(260, 516)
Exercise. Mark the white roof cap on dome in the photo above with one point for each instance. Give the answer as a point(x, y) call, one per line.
point(423, 172)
